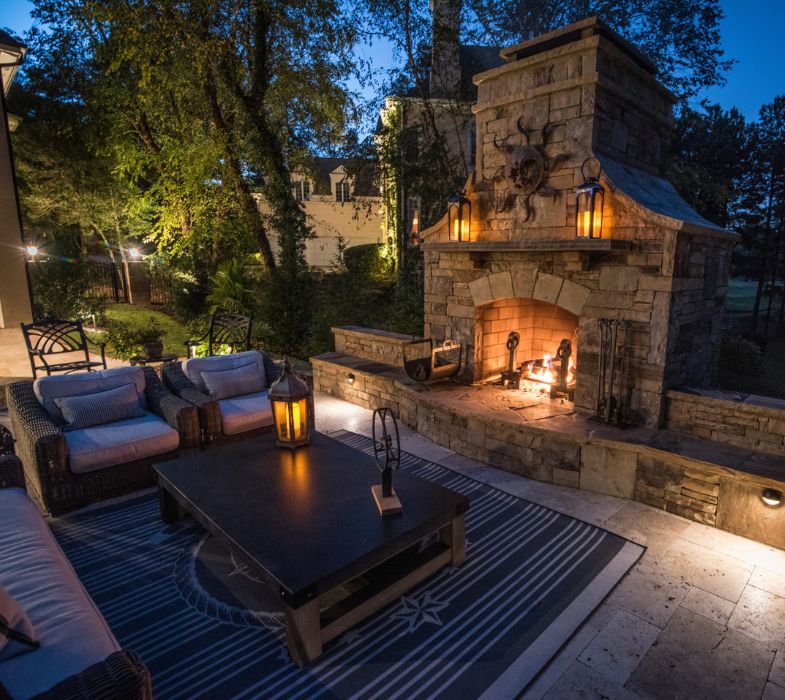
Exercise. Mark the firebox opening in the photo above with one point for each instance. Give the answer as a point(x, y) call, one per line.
point(545, 353)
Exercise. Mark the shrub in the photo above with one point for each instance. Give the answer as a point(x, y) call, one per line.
point(367, 260)
point(739, 356)
point(126, 339)
point(232, 289)
point(60, 290)
point(189, 294)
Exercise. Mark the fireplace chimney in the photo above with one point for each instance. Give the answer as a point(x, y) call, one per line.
point(445, 48)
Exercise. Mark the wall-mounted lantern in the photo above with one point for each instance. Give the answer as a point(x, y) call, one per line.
point(289, 397)
point(589, 201)
point(459, 215)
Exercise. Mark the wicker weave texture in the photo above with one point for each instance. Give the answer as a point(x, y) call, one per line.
point(44, 451)
point(121, 676)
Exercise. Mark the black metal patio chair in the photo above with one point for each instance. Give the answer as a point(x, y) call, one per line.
point(233, 330)
point(52, 339)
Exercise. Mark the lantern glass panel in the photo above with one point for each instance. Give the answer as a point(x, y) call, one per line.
point(459, 212)
point(589, 211)
point(291, 420)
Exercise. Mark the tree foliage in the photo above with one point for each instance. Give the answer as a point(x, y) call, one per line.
point(682, 37)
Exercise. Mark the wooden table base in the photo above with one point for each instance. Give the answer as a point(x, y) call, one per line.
point(305, 635)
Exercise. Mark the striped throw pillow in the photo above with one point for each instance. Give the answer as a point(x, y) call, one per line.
point(226, 383)
point(110, 406)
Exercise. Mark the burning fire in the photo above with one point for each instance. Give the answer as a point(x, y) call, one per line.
point(546, 370)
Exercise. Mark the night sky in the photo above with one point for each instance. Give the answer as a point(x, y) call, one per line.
point(751, 34)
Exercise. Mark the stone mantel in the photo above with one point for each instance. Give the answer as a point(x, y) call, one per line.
point(571, 244)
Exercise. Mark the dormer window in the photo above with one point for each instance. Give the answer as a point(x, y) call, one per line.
point(302, 191)
point(342, 191)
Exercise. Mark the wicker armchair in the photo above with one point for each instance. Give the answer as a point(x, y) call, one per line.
point(209, 412)
point(43, 450)
point(11, 472)
point(120, 675)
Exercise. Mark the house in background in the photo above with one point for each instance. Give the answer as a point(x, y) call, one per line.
point(14, 291)
point(447, 100)
point(339, 207)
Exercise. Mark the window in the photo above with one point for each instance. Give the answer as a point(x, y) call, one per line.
point(342, 193)
point(302, 191)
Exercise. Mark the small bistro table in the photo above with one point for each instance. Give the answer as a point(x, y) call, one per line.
point(306, 520)
point(142, 361)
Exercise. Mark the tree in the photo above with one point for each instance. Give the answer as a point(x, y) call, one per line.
point(762, 215)
point(682, 37)
point(710, 156)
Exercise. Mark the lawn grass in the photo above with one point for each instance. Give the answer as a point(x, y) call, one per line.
point(175, 333)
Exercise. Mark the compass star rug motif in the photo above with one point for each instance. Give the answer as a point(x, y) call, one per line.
point(208, 628)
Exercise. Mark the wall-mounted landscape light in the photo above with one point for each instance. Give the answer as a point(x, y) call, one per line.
point(350, 378)
point(771, 497)
point(32, 251)
point(589, 202)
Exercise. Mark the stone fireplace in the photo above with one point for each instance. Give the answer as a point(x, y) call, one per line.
point(575, 96)
point(651, 287)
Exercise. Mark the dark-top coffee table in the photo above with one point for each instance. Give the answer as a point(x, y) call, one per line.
point(306, 520)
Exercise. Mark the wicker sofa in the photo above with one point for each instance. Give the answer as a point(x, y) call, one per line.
point(60, 470)
point(78, 657)
point(225, 420)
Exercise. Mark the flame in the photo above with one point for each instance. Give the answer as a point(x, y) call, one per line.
point(548, 373)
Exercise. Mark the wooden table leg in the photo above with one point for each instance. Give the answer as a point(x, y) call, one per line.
point(171, 510)
point(454, 536)
point(303, 632)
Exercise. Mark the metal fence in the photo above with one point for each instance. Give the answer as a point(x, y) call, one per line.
point(105, 281)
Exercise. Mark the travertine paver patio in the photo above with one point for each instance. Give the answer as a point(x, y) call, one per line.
point(701, 615)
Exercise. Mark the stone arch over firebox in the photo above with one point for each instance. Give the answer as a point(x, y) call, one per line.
point(526, 282)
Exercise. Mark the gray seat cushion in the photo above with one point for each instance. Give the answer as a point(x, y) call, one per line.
point(243, 413)
point(116, 443)
point(34, 570)
point(47, 389)
point(194, 366)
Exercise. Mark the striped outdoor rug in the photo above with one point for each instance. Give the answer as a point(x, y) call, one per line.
point(206, 629)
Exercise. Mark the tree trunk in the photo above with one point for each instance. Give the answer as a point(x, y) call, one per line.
point(234, 170)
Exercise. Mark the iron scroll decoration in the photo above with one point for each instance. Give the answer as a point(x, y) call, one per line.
point(527, 168)
point(386, 447)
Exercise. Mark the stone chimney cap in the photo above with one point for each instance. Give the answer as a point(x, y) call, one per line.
point(575, 32)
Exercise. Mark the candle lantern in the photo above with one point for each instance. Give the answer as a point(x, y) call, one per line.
point(459, 215)
point(290, 400)
point(589, 201)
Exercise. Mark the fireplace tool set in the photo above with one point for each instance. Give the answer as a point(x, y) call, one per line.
point(612, 344)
